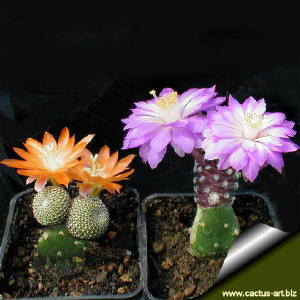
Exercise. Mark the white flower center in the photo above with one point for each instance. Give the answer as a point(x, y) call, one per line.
point(168, 105)
point(51, 157)
point(253, 122)
point(95, 169)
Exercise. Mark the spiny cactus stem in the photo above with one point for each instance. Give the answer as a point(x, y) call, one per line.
point(212, 186)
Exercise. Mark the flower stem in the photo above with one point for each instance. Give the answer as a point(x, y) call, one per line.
point(95, 191)
point(54, 182)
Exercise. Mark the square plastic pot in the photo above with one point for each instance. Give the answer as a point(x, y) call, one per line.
point(5, 246)
point(144, 244)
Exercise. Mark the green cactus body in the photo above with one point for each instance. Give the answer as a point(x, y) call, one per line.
point(88, 218)
point(59, 250)
point(213, 232)
point(50, 206)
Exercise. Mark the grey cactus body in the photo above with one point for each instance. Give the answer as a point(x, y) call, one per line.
point(88, 218)
point(50, 206)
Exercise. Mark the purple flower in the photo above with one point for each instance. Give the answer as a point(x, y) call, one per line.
point(247, 138)
point(169, 118)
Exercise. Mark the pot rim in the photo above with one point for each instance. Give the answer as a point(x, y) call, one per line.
point(130, 295)
point(144, 259)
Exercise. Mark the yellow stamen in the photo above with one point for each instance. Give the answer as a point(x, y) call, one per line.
point(153, 93)
point(253, 119)
point(95, 169)
point(167, 100)
point(51, 157)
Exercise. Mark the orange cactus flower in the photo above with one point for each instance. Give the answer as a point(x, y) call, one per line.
point(49, 160)
point(101, 171)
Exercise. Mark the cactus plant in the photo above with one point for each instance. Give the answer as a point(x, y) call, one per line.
point(225, 141)
point(88, 217)
point(215, 226)
point(50, 206)
point(58, 250)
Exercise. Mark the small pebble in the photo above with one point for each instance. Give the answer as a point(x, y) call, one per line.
point(31, 271)
point(126, 260)
point(120, 270)
point(165, 265)
point(111, 267)
point(125, 278)
point(157, 247)
point(189, 290)
point(111, 235)
point(11, 281)
point(21, 251)
point(121, 290)
point(40, 286)
point(157, 213)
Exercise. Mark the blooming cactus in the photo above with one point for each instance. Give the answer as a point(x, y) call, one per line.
point(223, 142)
point(247, 138)
point(101, 171)
point(169, 118)
point(49, 160)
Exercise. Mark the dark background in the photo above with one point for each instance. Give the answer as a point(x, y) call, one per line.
point(84, 69)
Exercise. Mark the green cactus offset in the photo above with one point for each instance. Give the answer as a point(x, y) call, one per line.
point(60, 251)
point(214, 230)
point(88, 218)
point(50, 206)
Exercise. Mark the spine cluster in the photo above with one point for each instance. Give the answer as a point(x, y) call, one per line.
point(211, 185)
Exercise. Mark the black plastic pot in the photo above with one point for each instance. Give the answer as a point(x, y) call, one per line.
point(5, 245)
point(144, 249)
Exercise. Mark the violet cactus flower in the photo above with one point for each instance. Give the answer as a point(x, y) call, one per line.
point(169, 118)
point(247, 138)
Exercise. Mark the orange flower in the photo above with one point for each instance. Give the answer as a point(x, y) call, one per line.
point(48, 160)
point(101, 171)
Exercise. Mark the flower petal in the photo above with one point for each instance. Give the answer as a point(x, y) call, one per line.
point(238, 159)
point(250, 171)
point(183, 139)
point(62, 178)
point(122, 164)
point(275, 160)
point(84, 189)
point(197, 124)
point(30, 179)
point(161, 139)
point(40, 183)
point(154, 158)
point(48, 139)
point(143, 152)
point(63, 138)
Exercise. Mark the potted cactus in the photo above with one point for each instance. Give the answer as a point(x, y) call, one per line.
point(73, 224)
point(227, 142)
